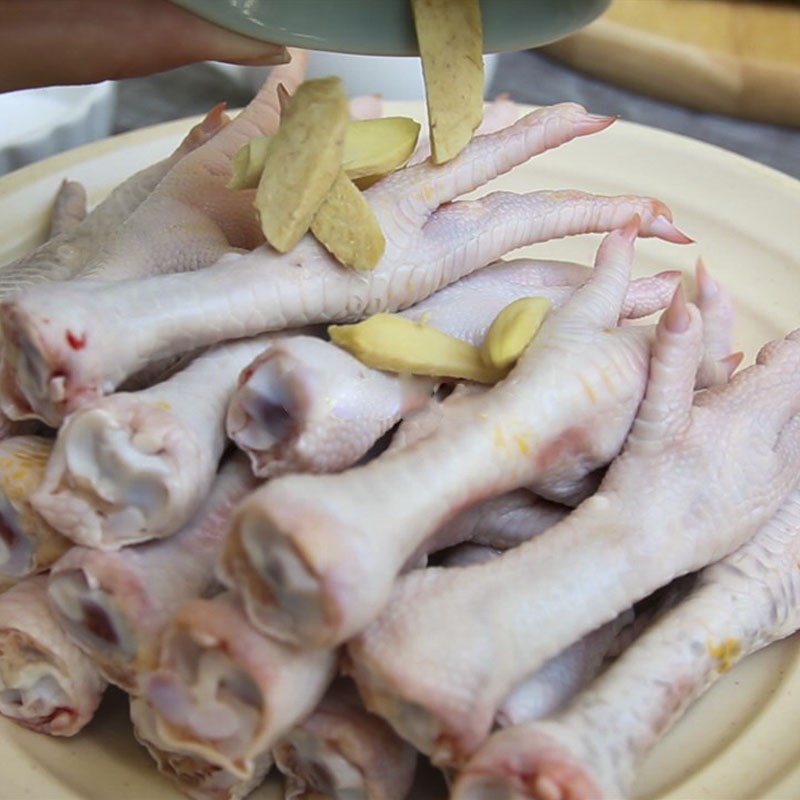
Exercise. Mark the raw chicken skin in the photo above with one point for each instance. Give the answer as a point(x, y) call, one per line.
point(698, 477)
point(315, 557)
point(46, 683)
point(308, 406)
point(191, 219)
point(60, 340)
point(593, 748)
point(560, 678)
point(69, 252)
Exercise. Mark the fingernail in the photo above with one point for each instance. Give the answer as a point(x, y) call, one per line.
point(668, 231)
point(234, 48)
point(670, 275)
point(677, 318)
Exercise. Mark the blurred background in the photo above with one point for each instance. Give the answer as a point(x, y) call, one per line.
point(724, 71)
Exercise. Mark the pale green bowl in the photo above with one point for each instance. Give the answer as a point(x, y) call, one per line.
point(384, 27)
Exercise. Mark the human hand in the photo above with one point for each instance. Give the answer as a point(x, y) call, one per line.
point(46, 42)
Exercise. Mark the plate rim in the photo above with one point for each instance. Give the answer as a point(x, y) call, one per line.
point(20, 179)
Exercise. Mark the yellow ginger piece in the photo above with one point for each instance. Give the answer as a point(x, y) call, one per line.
point(23, 460)
point(450, 38)
point(248, 163)
point(347, 227)
point(372, 148)
point(396, 344)
point(513, 330)
point(303, 160)
point(375, 147)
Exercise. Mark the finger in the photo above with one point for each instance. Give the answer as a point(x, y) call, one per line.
point(44, 42)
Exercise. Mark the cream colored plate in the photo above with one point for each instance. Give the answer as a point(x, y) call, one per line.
point(738, 743)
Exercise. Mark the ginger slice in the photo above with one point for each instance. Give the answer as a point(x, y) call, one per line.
point(396, 344)
point(248, 163)
point(513, 330)
point(346, 226)
point(450, 38)
point(302, 162)
point(372, 148)
point(375, 147)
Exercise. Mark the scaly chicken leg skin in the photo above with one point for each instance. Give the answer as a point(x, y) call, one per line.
point(193, 776)
point(593, 748)
point(69, 208)
point(699, 476)
point(135, 466)
point(191, 219)
point(225, 693)
point(559, 679)
point(46, 683)
point(68, 254)
point(243, 295)
point(114, 604)
point(315, 557)
point(309, 406)
point(343, 752)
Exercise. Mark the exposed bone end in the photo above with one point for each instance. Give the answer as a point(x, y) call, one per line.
point(32, 692)
point(98, 624)
point(308, 406)
point(52, 364)
point(448, 726)
point(122, 471)
point(192, 775)
point(425, 728)
point(411, 721)
point(342, 751)
point(26, 369)
point(313, 765)
point(269, 412)
point(525, 762)
point(46, 684)
point(283, 595)
point(206, 704)
point(225, 693)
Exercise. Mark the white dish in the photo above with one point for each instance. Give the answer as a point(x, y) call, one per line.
point(41, 122)
point(740, 741)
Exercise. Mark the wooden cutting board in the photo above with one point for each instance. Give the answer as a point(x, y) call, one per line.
point(738, 57)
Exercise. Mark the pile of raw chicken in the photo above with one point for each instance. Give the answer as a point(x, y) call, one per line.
point(289, 558)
